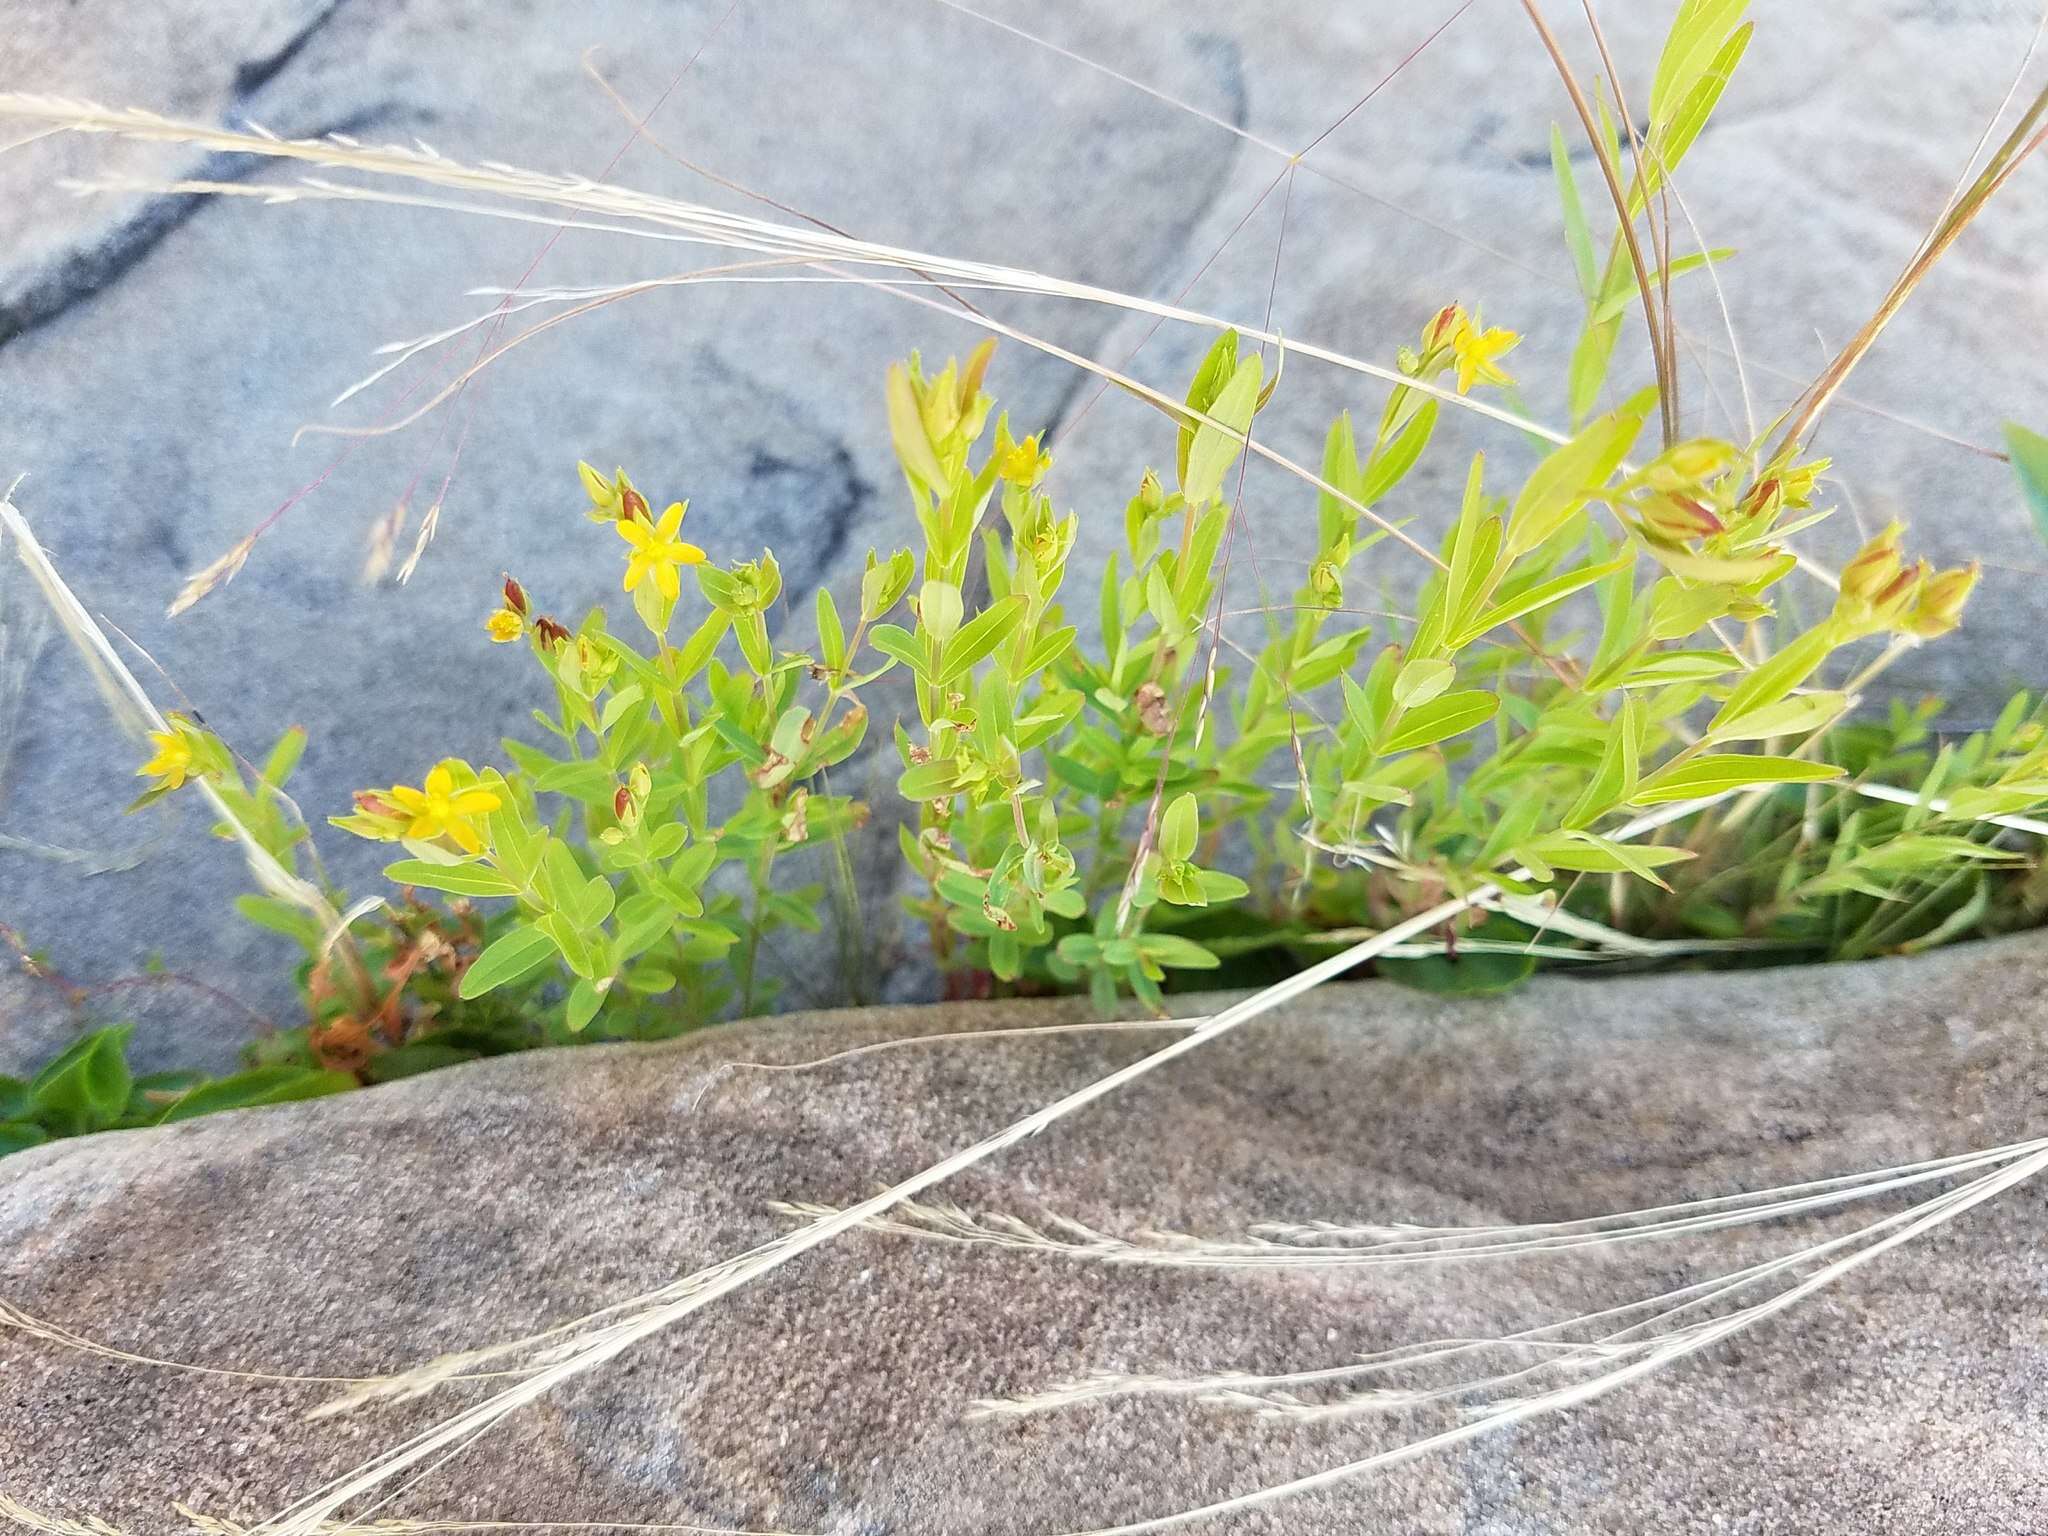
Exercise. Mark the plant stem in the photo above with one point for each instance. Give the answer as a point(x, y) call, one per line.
point(1627, 225)
point(2008, 158)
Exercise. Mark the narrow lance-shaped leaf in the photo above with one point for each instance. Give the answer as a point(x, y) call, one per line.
point(1668, 145)
point(1392, 459)
point(1576, 235)
point(1571, 476)
point(1219, 440)
point(510, 957)
point(1615, 779)
point(2029, 453)
point(1614, 304)
point(1440, 719)
point(1718, 772)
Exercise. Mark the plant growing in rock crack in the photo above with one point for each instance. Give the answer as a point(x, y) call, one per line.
point(1605, 635)
point(1073, 798)
point(1158, 798)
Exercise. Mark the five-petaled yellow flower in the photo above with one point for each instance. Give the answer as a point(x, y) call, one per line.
point(1024, 463)
point(504, 626)
point(658, 550)
point(172, 763)
point(1477, 349)
point(439, 809)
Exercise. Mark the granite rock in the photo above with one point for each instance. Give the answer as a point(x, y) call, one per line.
point(362, 1234)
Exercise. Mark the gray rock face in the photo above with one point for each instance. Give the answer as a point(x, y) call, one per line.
point(156, 355)
point(360, 1235)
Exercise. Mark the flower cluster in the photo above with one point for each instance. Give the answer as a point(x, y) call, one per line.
point(1881, 592)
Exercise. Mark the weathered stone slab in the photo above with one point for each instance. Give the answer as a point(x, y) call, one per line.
point(362, 1234)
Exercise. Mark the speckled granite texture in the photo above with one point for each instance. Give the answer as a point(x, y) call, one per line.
point(358, 1235)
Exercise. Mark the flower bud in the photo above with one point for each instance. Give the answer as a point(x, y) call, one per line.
point(1151, 492)
point(548, 632)
point(1443, 325)
point(1675, 519)
point(1868, 578)
point(1939, 608)
point(515, 597)
point(1326, 583)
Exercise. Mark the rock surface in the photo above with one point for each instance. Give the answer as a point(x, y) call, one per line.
point(156, 354)
point(363, 1234)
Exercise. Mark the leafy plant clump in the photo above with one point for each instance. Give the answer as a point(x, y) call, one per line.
point(1070, 804)
point(1602, 723)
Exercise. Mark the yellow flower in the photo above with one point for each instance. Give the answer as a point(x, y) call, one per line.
point(172, 764)
point(1477, 350)
point(504, 626)
point(439, 808)
point(1023, 463)
point(658, 550)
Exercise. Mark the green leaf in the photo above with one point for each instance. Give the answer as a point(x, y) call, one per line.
point(831, 633)
point(1697, 32)
point(1340, 470)
point(257, 1086)
point(1583, 852)
point(1542, 595)
point(512, 956)
point(584, 1002)
point(281, 917)
point(1176, 953)
point(1615, 304)
point(1591, 354)
point(1218, 364)
point(939, 610)
point(455, 879)
point(1421, 680)
point(1440, 719)
point(1716, 772)
point(1179, 828)
point(1219, 440)
point(1576, 235)
point(1664, 667)
point(2029, 451)
point(284, 757)
point(979, 637)
point(420, 1056)
point(1392, 460)
point(20, 1135)
point(1467, 973)
point(85, 1087)
point(1796, 716)
point(1615, 779)
point(1669, 144)
point(616, 706)
point(1775, 679)
point(1048, 649)
point(929, 781)
point(906, 430)
point(893, 641)
point(1219, 886)
point(1572, 475)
